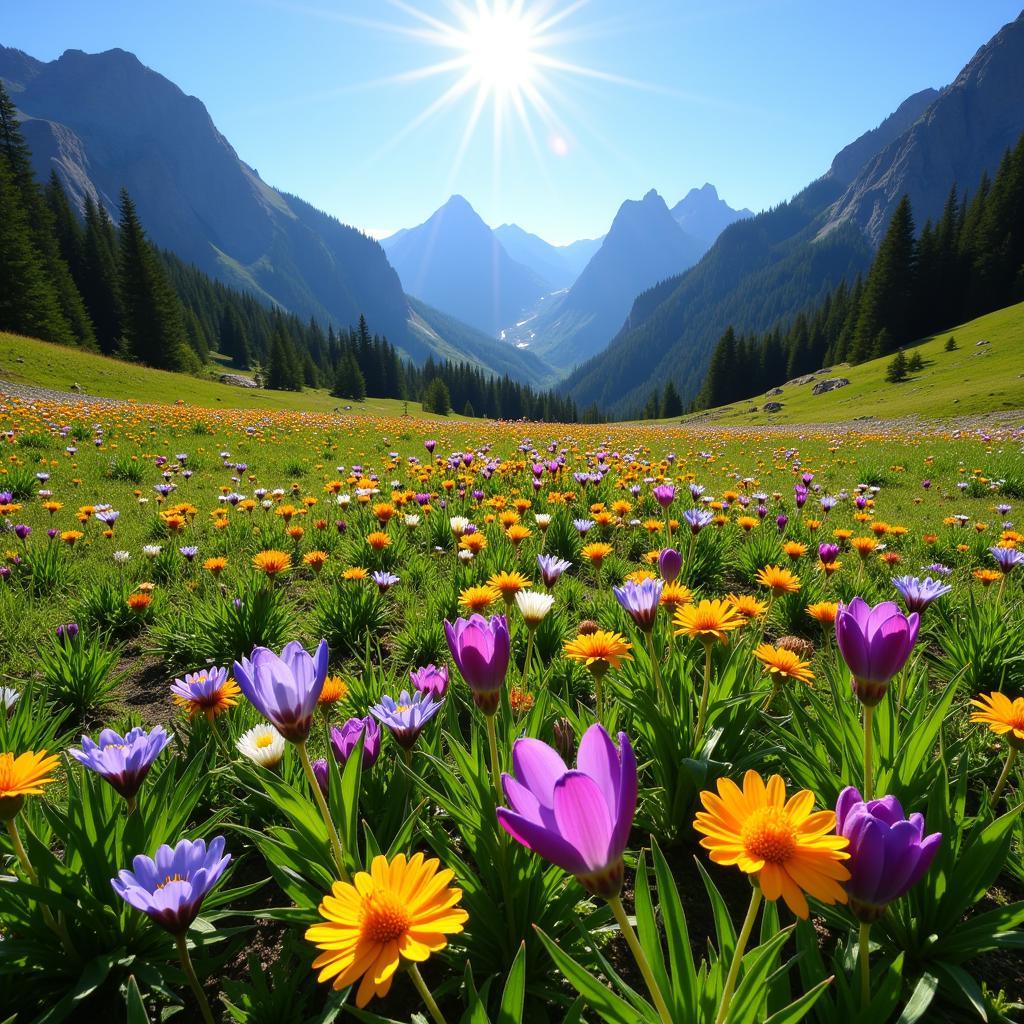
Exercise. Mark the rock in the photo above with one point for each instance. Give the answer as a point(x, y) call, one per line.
point(237, 380)
point(772, 406)
point(76, 386)
point(774, 391)
point(753, 408)
point(806, 379)
point(982, 342)
point(824, 386)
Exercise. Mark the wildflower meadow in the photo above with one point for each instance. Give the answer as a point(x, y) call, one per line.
point(314, 717)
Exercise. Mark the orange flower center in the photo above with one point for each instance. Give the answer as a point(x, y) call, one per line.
point(385, 918)
point(169, 879)
point(768, 835)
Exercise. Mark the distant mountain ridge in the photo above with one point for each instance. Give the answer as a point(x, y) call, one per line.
point(454, 262)
point(558, 265)
point(643, 245)
point(766, 268)
point(703, 215)
point(104, 121)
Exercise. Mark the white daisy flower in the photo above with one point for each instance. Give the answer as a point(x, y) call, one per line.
point(262, 744)
point(534, 605)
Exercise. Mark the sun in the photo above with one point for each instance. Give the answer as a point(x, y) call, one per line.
point(500, 44)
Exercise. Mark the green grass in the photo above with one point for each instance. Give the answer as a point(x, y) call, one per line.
point(973, 379)
point(45, 365)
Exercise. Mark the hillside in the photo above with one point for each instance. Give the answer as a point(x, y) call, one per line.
point(767, 268)
point(975, 378)
point(41, 364)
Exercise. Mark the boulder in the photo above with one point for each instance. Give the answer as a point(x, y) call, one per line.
point(772, 406)
point(773, 392)
point(237, 380)
point(824, 386)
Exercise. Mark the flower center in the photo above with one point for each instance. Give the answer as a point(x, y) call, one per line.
point(385, 918)
point(400, 709)
point(171, 878)
point(768, 835)
point(264, 741)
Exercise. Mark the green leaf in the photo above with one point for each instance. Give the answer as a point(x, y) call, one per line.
point(920, 1000)
point(608, 1006)
point(799, 1008)
point(133, 1001)
point(512, 999)
point(680, 954)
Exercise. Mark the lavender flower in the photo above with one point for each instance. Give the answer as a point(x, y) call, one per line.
point(697, 519)
point(430, 680)
point(551, 568)
point(919, 593)
point(171, 887)
point(407, 717)
point(640, 601)
point(123, 761)
point(345, 739)
point(1007, 558)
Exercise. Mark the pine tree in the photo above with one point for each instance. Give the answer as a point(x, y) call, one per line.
point(154, 331)
point(951, 343)
point(915, 364)
point(436, 398)
point(98, 282)
point(28, 302)
point(671, 403)
point(889, 290)
point(896, 371)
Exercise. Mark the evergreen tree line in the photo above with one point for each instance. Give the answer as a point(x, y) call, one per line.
point(663, 405)
point(968, 263)
point(89, 282)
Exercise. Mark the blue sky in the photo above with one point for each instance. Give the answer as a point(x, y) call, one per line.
point(755, 97)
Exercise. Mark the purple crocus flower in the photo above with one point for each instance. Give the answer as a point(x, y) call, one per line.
point(171, 887)
point(919, 593)
point(344, 740)
point(66, 632)
point(583, 525)
point(782, 521)
point(578, 819)
point(828, 553)
point(430, 680)
point(406, 717)
point(875, 644)
point(1007, 558)
point(889, 853)
point(551, 568)
point(670, 564)
point(124, 761)
point(640, 601)
point(322, 774)
point(664, 494)
point(22, 531)
point(481, 650)
point(189, 552)
point(285, 689)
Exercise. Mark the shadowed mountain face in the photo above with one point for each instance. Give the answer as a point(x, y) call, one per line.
point(959, 137)
point(766, 268)
point(454, 262)
point(558, 265)
point(104, 121)
point(643, 245)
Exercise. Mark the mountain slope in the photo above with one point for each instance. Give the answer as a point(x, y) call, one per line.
point(770, 266)
point(704, 216)
point(453, 262)
point(544, 259)
point(960, 137)
point(972, 379)
point(643, 245)
point(104, 121)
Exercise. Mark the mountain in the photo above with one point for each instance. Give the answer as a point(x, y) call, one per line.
point(643, 245)
point(704, 216)
point(105, 121)
point(959, 138)
point(559, 265)
point(454, 262)
point(764, 269)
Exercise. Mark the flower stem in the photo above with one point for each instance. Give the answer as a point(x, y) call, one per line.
point(492, 741)
point(190, 973)
point(869, 779)
point(1004, 776)
point(19, 849)
point(864, 956)
point(704, 695)
point(737, 956)
point(428, 999)
point(656, 669)
point(529, 655)
point(641, 958)
point(332, 832)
